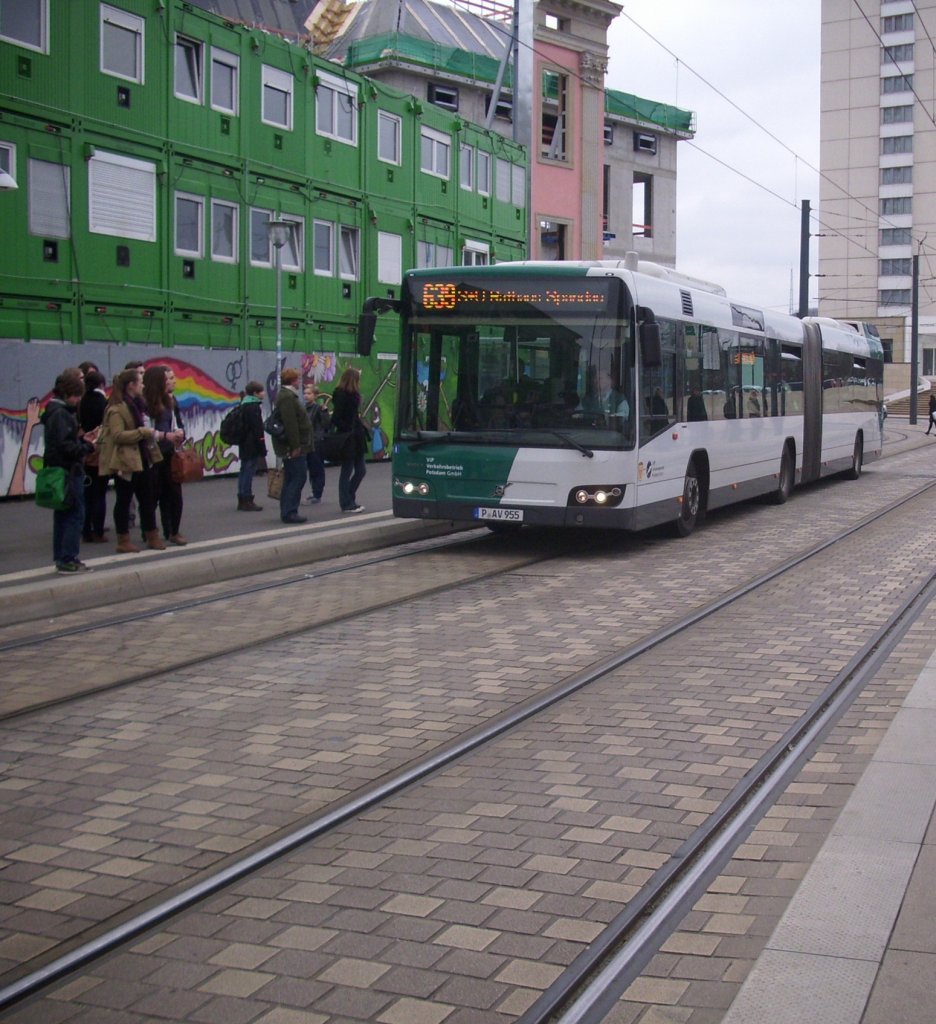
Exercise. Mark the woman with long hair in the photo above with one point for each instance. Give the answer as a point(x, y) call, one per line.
point(129, 450)
point(346, 416)
point(163, 412)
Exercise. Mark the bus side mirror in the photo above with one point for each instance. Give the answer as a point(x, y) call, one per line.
point(651, 347)
point(367, 321)
point(366, 328)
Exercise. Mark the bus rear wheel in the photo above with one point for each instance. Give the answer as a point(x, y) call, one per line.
point(854, 471)
point(690, 509)
point(785, 478)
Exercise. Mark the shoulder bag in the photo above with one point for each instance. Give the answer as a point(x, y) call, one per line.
point(52, 488)
point(187, 465)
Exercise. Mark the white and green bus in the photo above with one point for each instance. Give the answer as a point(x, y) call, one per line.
point(617, 395)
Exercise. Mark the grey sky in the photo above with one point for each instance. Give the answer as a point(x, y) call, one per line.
point(737, 225)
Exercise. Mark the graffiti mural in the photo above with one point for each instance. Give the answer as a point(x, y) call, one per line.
point(208, 383)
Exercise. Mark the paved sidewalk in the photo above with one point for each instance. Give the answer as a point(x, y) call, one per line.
point(857, 945)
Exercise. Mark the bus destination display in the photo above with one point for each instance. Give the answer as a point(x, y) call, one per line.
point(542, 297)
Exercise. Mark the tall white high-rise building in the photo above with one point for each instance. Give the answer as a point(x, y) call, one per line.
point(878, 162)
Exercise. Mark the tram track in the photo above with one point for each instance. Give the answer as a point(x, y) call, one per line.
point(24, 649)
point(366, 797)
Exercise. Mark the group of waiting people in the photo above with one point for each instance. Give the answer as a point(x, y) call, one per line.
point(130, 437)
point(306, 419)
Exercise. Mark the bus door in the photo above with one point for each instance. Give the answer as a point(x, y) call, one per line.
point(812, 403)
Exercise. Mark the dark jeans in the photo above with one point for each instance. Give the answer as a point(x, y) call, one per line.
point(294, 474)
point(95, 503)
point(168, 497)
point(245, 476)
point(316, 468)
point(66, 529)
point(352, 473)
point(141, 486)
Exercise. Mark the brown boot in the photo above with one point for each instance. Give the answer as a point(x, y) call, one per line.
point(178, 540)
point(250, 505)
point(153, 541)
point(126, 546)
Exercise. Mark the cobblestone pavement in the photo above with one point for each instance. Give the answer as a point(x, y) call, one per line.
point(462, 898)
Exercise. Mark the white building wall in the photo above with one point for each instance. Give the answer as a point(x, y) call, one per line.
point(859, 127)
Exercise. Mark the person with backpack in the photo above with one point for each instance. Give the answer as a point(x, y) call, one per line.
point(245, 428)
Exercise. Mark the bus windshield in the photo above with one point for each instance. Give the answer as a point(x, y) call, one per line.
point(521, 372)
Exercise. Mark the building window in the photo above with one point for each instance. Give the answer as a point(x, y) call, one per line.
point(895, 236)
point(643, 205)
point(121, 44)
point(225, 75)
point(552, 240)
point(8, 158)
point(444, 96)
point(349, 240)
point(645, 142)
point(517, 185)
point(608, 134)
point(188, 69)
point(26, 23)
point(897, 144)
point(189, 211)
point(554, 22)
point(431, 254)
point(292, 255)
point(261, 254)
point(894, 297)
point(323, 248)
point(897, 115)
point(223, 231)
point(554, 115)
point(483, 168)
point(389, 136)
point(897, 83)
point(896, 175)
point(389, 258)
point(897, 23)
point(893, 54)
point(896, 205)
point(435, 148)
point(122, 196)
point(896, 268)
point(277, 98)
point(466, 166)
point(502, 109)
point(476, 254)
point(336, 109)
point(49, 199)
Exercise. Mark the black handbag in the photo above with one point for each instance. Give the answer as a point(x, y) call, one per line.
point(337, 447)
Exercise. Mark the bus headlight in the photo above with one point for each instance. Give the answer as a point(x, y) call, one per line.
point(600, 496)
point(409, 488)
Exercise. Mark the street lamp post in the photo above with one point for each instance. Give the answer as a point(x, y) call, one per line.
point(279, 232)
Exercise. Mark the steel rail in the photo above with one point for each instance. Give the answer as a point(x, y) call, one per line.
point(405, 776)
point(588, 989)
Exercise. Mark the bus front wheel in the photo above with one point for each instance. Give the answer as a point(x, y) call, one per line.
point(690, 508)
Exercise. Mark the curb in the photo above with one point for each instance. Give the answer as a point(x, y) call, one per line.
point(53, 595)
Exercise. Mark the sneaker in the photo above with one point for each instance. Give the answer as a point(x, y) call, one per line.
point(72, 567)
point(354, 508)
point(312, 501)
point(293, 519)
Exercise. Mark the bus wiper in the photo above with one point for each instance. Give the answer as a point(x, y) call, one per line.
point(587, 452)
point(423, 440)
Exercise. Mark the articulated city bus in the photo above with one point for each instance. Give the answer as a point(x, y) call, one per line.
point(617, 394)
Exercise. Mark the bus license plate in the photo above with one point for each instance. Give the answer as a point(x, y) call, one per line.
point(510, 515)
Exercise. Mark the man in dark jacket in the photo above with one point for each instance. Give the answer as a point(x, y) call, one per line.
point(64, 448)
point(251, 447)
point(293, 445)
